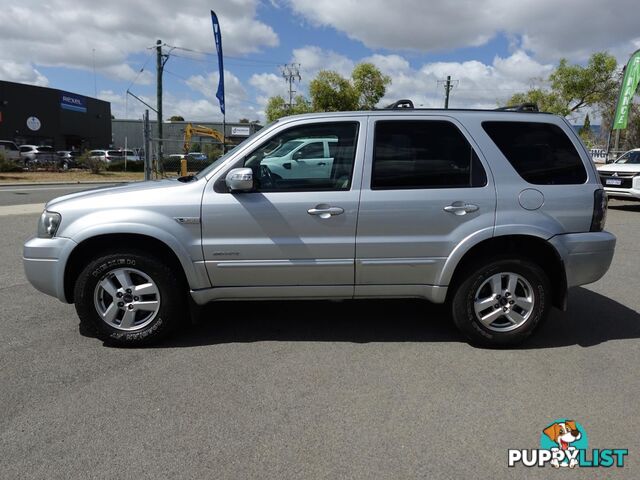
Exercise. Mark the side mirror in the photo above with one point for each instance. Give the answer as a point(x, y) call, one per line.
point(240, 180)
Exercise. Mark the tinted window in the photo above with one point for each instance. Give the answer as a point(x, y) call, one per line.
point(541, 153)
point(9, 146)
point(284, 149)
point(630, 157)
point(423, 154)
point(315, 172)
point(312, 150)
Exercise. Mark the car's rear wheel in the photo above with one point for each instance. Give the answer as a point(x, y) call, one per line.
point(501, 303)
point(129, 298)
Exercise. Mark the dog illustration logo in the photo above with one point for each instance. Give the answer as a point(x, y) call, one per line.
point(563, 434)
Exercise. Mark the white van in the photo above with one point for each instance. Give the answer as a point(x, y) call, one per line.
point(9, 150)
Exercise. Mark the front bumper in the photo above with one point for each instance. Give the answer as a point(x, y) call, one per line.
point(586, 256)
point(44, 261)
point(628, 193)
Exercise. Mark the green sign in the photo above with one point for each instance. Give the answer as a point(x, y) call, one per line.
point(627, 91)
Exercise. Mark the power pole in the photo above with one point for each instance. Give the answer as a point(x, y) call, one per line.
point(448, 86)
point(147, 146)
point(161, 59)
point(291, 73)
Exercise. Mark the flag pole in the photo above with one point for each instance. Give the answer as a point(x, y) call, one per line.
point(217, 36)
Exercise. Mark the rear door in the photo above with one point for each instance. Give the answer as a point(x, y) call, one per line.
point(425, 189)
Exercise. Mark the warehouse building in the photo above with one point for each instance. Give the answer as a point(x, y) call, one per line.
point(46, 116)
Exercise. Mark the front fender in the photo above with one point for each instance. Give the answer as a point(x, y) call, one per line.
point(182, 238)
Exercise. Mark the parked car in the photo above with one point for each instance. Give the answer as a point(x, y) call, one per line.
point(495, 213)
point(306, 157)
point(106, 156)
point(9, 150)
point(37, 155)
point(68, 159)
point(195, 162)
point(621, 179)
point(130, 155)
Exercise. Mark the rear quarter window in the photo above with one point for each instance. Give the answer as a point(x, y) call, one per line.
point(541, 153)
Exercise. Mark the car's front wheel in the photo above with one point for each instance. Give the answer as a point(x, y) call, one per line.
point(129, 298)
point(501, 303)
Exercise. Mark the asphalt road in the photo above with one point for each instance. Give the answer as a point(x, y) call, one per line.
point(369, 389)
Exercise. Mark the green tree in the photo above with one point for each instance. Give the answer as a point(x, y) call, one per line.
point(331, 92)
point(244, 120)
point(278, 107)
point(176, 118)
point(585, 132)
point(572, 87)
point(370, 85)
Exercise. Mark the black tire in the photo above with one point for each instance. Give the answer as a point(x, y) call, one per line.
point(172, 297)
point(464, 315)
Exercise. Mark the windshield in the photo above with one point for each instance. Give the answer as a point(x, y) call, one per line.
point(204, 172)
point(630, 158)
point(284, 149)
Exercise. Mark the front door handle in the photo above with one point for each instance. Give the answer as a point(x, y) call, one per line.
point(325, 211)
point(461, 208)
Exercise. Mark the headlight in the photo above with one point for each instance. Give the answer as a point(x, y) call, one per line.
point(48, 224)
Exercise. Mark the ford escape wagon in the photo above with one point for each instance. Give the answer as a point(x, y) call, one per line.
point(496, 213)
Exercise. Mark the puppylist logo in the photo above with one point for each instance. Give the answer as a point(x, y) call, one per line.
point(564, 443)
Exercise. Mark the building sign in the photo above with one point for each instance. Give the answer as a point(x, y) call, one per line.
point(33, 123)
point(72, 102)
point(241, 131)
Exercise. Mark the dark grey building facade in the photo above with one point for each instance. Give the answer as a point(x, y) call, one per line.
point(46, 116)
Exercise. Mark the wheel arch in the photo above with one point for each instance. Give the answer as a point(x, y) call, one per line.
point(93, 246)
point(535, 249)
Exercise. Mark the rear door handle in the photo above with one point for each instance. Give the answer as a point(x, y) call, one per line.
point(325, 211)
point(461, 208)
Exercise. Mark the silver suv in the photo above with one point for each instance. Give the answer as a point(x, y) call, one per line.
point(496, 213)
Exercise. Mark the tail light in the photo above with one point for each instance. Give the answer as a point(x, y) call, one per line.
point(599, 210)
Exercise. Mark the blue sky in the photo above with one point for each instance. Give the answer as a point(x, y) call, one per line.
point(493, 48)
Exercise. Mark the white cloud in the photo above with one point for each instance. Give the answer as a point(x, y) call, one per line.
point(478, 85)
point(548, 28)
point(66, 32)
point(22, 73)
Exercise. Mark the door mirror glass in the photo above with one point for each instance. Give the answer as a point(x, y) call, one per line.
point(240, 180)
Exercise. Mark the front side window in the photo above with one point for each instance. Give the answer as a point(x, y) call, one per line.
point(423, 154)
point(279, 167)
point(541, 153)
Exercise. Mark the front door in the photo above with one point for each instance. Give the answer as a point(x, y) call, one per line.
point(289, 231)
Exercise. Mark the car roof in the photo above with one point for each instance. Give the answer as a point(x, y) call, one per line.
point(418, 112)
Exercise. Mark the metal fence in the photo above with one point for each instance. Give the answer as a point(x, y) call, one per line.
point(170, 162)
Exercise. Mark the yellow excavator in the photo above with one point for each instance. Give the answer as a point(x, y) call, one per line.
point(201, 131)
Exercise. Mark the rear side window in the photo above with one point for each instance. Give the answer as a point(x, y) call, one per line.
point(541, 153)
point(423, 154)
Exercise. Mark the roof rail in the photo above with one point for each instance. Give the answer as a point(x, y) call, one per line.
point(522, 107)
point(404, 103)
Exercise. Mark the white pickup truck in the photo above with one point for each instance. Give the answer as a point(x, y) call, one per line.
point(621, 179)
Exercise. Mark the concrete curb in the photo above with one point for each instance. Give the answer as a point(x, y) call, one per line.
point(79, 182)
